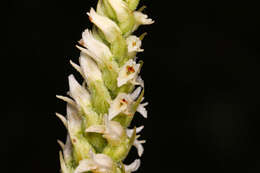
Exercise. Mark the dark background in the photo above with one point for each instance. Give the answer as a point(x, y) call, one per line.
point(201, 73)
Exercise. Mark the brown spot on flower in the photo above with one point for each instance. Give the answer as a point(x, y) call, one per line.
point(130, 69)
point(74, 140)
point(134, 43)
point(123, 101)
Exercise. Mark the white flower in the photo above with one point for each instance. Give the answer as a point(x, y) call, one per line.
point(111, 130)
point(127, 72)
point(98, 163)
point(107, 26)
point(141, 19)
point(119, 104)
point(133, 166)
point(78, 93)
point(90, 68)
point(134, 44)
point(137, 143)
point(122, 103)
point(95, 48)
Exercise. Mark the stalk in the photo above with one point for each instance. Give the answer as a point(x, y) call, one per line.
point(100, 111)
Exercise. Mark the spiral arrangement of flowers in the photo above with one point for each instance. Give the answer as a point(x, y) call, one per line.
point(100, 111)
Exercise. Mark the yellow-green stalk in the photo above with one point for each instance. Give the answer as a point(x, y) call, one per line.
point(100, 111)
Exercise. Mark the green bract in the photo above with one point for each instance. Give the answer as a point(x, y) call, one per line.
point(100, 111)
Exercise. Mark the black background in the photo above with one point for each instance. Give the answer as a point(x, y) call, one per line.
point(202, 82)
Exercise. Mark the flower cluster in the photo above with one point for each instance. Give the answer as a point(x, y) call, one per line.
point(100, 111)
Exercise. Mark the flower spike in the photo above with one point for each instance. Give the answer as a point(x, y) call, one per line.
point(101, 109)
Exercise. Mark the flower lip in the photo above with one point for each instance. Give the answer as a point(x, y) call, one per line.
point(134, 44)
point(128, 72)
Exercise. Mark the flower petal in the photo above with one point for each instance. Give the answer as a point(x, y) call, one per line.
point(139, 146)
point(107, 26)
point(63, 119)
point(142, 18)
point(142, 110)
point(63, 166)
point(96, 129)
point(67, 99)
point(90, 68)
point(98, 50)
point(80, 94)
point(130, 131)
point(134, 95)
point(133, 166)
point(86, 165)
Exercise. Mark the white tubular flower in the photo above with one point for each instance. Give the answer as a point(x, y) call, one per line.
point(127, 72)
point(95, 48)
point(137, 143)
point(141, 19)
point(78, 93)
point(111, 130)
point(134, 44)
point(90, 69)
point(98, 163)
point(107, 26)
point(133, 166)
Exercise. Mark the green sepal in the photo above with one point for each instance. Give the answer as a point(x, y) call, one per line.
point(132, 4)
point(100, 97)
point(119, 50)
point(81, 147)
point(119, 153)
point(126, 88)
point(110, 78)
point(90, 117)
point(109, 10)
point(97, 141)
